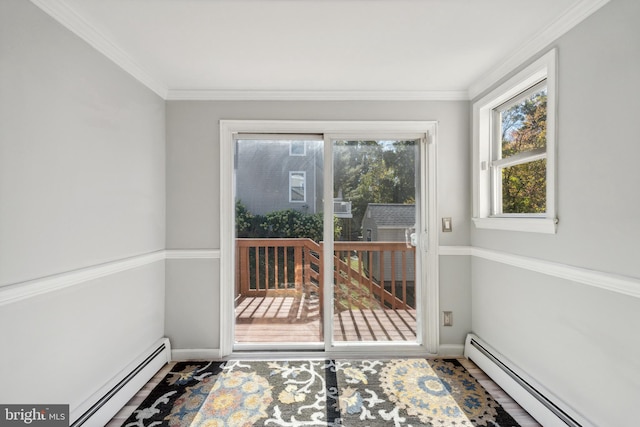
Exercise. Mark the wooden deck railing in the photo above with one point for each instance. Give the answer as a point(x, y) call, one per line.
point(377, 274)
point(276, 265)
point(366, 274)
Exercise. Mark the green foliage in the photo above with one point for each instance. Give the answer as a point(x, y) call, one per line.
point(287, 223)
point(524, 188)
point(524, 128)
point(374, 172)
point(292, 223)
point(244, 220)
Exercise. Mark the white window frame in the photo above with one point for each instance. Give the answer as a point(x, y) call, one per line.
point(485, 189)
point(304, 186)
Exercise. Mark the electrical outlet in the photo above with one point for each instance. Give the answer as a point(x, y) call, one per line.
point(447, 318)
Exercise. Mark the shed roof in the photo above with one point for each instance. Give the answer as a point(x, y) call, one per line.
point(391, 214)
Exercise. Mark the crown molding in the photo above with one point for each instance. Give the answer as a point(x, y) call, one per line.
point(70, 19)
point(317, 95)
point(74, 22)
point(569, 19)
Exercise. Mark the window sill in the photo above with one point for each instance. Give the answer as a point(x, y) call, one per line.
point(528, 225)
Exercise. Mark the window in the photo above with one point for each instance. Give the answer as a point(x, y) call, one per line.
point(514, 152)
point(297, 148)
point(297, 187)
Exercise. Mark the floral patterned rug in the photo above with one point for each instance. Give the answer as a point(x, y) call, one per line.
point(399, 392)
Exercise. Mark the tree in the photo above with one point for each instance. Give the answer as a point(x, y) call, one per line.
point(524, 128)
point(374, 172)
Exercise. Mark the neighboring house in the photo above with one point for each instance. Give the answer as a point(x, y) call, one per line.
point(389, 222)
point(278, 175)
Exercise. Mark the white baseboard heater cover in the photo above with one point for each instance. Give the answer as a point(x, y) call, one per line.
point(541, 404)
point(103, 405)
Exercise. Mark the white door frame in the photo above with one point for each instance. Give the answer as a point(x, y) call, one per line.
point(428, 236)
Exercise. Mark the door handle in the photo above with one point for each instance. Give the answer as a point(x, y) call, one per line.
point(410, 237)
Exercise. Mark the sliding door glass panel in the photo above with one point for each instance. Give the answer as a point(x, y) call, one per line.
point(376, 195)
point(279, 226)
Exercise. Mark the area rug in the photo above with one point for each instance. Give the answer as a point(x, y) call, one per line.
point(398, 392)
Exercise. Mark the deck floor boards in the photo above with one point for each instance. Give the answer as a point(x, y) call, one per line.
point(297, 320)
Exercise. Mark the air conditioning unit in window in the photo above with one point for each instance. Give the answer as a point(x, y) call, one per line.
point(342, 209)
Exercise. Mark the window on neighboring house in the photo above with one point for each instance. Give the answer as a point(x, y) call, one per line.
point(297, 187)
point(297, 148)
point(514, 152)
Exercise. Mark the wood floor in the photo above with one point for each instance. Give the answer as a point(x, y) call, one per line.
point(519, 414)
point(289, 319)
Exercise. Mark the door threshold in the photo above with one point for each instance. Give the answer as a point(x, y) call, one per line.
point(354, 354)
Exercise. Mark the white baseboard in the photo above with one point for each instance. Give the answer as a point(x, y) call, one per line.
point(196, 354)
point(177, 355)
point(450, 350)
point(538, 401)
point(98, 409)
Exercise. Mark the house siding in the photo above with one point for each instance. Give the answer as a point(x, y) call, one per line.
point(262, 176)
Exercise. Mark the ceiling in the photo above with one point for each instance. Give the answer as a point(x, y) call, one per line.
point(319, 49)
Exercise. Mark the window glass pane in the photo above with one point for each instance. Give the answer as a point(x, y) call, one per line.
point(523, 125)
point(524, 188)
point(374, 261)
point(297, 186)
point(297, 148)
point(278, 285)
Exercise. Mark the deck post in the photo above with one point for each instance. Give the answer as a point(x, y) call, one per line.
point(298, 262)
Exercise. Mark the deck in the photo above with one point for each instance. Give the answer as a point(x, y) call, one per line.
point(290, 319)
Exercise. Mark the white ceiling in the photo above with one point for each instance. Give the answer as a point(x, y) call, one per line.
point(351, 49)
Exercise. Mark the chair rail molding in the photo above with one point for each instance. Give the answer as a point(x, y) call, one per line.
point(192, 253)
point(19, 291)
point(625, 285)
point(23, 290)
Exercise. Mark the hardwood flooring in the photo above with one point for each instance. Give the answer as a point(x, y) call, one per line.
point(519, 414)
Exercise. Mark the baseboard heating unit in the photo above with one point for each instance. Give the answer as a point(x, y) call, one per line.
point(103, 405)
point(541, 404)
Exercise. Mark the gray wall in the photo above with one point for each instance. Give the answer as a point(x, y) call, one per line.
point(579, 341)
point(193, 192)
point(81, 183)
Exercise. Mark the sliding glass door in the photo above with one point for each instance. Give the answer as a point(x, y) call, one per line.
point(279, 224)
point(329, 241)
point(377, 202)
